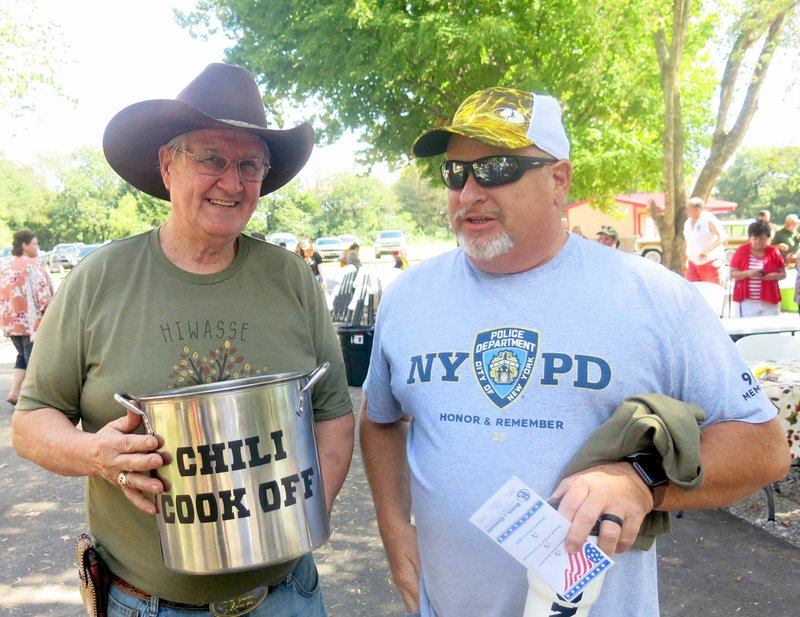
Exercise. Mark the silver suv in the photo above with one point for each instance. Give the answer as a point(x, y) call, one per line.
point(65, 256)
point(389, 241)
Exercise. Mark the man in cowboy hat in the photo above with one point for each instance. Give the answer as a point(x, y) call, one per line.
point(193, 301)
point(505, 360)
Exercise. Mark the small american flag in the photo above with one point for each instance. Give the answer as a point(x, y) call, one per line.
point(580, 563)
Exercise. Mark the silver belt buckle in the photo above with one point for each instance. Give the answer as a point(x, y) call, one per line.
point(241, 605)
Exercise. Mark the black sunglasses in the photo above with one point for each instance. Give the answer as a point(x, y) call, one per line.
point(490, 170)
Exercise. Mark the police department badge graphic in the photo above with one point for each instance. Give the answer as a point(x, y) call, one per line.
point(503, 359)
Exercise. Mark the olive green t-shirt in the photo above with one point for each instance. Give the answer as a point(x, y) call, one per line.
point(789, 238)
point(128, 320)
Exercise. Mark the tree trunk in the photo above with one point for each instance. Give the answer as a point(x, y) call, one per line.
point(670, 225)
point(725, 143)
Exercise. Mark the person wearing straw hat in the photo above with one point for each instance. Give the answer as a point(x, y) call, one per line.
point(497, 359)
point(193, 301)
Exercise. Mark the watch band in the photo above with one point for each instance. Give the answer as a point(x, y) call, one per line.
point(649, 467)
point(659, 493)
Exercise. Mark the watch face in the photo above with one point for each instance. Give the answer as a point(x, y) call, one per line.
point(649, 467)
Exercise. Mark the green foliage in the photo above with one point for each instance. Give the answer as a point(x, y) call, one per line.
point(91, 204)
point(290, 209)
point(349, 203)
point(424, 201)
point(423, 58)
point(32, 51)
point(763, 178)
point(24, 200)
point(354, 204)
point(150, 211)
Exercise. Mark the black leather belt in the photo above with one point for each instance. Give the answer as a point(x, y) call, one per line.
point(142, 595)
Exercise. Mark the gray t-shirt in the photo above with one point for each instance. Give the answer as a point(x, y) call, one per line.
point(128, 320)
point(508, 375)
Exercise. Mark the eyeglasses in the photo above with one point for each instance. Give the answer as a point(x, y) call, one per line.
point(490, 170)
point(215, 164)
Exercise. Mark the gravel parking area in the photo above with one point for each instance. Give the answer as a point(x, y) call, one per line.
point(787, 508)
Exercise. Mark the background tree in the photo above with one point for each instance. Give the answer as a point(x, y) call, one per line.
point(24, 199)
point(290, 209)
point(756, 29)
point(423, 202)
point(150, 210)
point(93, 204)
point(635, 77)
point(355, 204)
point(763, 178)
point(32, 51)
point(423, 58)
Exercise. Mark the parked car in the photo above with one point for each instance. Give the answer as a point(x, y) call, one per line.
point(281, 236)
point(86, 249)
point(650, 248)
point(44, 258)
point(65, 255)
point(349, 239)
point(329, 248)
point(388, 241)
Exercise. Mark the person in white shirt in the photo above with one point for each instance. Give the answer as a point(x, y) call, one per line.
point(704, 236)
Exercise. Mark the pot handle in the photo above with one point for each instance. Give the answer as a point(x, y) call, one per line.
point(129, 402)
point(313, 377)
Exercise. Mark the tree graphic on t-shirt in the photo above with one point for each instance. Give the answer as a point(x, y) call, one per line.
point(220, 364)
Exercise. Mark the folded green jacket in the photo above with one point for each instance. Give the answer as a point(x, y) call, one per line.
point(648, 422)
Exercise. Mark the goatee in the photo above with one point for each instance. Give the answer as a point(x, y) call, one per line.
point(488, 249)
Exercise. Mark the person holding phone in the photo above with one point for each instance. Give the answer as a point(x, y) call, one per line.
point(756, 268)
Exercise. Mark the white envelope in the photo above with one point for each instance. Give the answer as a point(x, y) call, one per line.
point(533, 532)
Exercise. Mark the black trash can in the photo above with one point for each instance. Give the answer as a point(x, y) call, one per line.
point(356, 342)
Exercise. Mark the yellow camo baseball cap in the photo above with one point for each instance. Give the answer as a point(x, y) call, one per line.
point(505, 118)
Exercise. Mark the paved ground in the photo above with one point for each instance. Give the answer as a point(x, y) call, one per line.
point(713, 564)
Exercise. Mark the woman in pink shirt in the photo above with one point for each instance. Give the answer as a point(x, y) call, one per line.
point(25, 291)
point(757, 267)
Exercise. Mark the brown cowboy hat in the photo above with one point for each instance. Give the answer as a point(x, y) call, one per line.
point(221, 97)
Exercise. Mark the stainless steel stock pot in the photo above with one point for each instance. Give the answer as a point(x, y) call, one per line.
point(243, 487)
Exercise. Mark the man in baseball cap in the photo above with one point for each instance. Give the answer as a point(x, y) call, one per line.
point(508, 352)
point(608, 236)
point(505, 118)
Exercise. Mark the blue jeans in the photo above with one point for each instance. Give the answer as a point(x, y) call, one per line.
point(298, 596)
point(23, 345)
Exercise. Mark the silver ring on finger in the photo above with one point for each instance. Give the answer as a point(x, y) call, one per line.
point(122, 480)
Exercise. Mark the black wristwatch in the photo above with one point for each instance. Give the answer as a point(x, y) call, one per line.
point(650, 468)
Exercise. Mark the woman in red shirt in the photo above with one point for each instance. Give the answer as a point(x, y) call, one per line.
point(757, 267)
